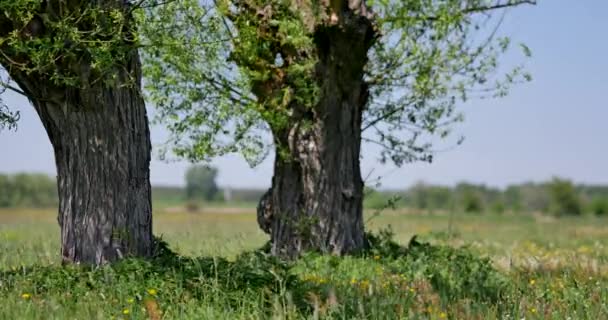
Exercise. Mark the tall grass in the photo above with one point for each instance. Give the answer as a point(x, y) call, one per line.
point(486, 267)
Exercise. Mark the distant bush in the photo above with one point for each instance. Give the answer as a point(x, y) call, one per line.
point(28, 190)
point(246, 195)
point(471, 202)
point(599, 206)
point(564, 199)
point(428, 197)
point(559, 197)
point(498, 207)
point(373, 199)
point(200, 183)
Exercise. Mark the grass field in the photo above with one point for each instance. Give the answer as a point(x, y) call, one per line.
point(540, 268)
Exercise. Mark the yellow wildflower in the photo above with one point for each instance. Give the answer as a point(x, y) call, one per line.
point(532, 282)
point(443, 315)
point(126, 311)
point(584, 249)
point(130, 300)
point(152, 292)
point(26, 296)
point(364, 284)
point(533, 310)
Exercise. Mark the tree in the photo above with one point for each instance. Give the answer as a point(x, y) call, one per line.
point(321, 77)
point(429, 197)
point(513, 198)
point(77, 62)
point(535, 197)
point(33, 190)
point(6, 191)
point(381, 200)
point(27, 190)
point(471, 202)
point(599, 206)
point(200, 183)
point(470, 197)
point(564, 199)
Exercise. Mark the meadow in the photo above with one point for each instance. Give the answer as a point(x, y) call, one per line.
point(460, 267)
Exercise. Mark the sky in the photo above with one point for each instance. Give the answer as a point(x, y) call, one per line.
point(554, 126)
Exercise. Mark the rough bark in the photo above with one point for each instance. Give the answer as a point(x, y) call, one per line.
point(101, 141)
point(315, 202)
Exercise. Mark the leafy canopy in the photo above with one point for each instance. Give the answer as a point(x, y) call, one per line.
point(208, 82)
point(66, 45)
point(206, 62)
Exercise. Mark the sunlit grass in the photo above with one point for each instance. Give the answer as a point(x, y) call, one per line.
point(556, 268)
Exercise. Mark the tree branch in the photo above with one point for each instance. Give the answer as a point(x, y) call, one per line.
point(498, 5)
point(471, 10)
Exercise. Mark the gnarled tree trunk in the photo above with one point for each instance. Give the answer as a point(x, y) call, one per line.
point(315, 202)
point(101, 141)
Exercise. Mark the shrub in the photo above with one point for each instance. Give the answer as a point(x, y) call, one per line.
point(599, 206)
point(564, 199)
point(454, 273)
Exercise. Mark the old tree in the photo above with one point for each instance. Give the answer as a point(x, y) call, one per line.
point(321, 77)
point(77, 62)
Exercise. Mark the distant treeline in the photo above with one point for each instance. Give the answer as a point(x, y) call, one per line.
point(38, 190)
point(178, 195)
point(558, 197)
point(27, 190)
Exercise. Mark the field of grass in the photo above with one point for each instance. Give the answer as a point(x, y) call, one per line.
point(537, 268)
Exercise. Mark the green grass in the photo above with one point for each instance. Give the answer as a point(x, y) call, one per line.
point(536, 268)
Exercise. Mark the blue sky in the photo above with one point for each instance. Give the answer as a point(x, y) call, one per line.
point(556, 125)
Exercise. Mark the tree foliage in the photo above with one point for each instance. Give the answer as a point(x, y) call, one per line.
point(198, 93)
point(428, 197)
point(564, 199)
point(212, 85)
point(69, 44)
point(558, 196)
point(200, 183)
point(8, 118)
point(599, 206)
point(27, 190)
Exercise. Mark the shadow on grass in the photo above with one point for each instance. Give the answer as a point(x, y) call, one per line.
point(353, 280)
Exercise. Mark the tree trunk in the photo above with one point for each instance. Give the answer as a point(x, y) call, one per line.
point(101, 141)
point(315, 202)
